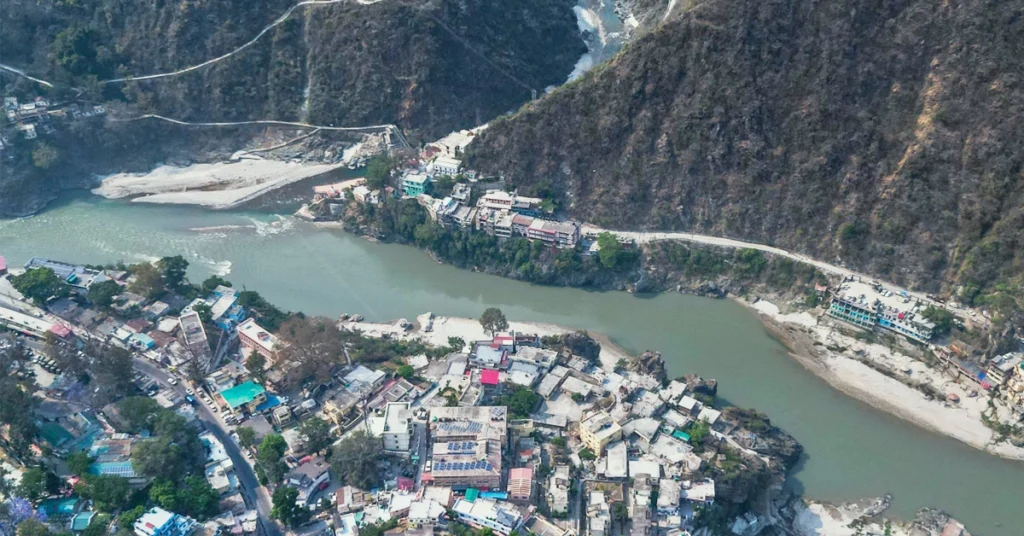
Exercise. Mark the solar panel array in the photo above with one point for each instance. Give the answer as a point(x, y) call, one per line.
point(465, 426)
point(463, 466)
point(456, 446)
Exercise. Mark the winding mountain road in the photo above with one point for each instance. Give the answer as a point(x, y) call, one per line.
point(642, 237)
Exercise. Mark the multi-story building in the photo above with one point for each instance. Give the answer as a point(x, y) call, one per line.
point(1001, 367)
point(487, 513)
point(467, 446)
point(599, 517)
point(640, 506)
point(397, 433)
point(244, 398)
point(445, 165)
point(254, 338)
point(159, 522)
point(864, 306)
point(558, 489)
point(561, 234)
point(598, 430)
point(669, 492)
point(414, 184)
point(194, 336)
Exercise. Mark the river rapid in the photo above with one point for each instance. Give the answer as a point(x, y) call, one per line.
point(852, 451)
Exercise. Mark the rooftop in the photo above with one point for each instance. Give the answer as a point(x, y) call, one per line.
point(250, 329)
point(242, 394)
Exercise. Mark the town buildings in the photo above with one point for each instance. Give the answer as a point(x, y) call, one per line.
point(467, 446)
point(254, 338)
point(598, 430)
point(490, 514)
point(863, 306)
point(414, 184)
point(1001, 368)
point(308, 478)
point(159, 522)
point(397, 432)
point(244, 398)
point(194, 337)
point(520, 484)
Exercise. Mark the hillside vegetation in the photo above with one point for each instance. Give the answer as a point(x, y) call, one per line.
point(342, 64)
point(883, 133)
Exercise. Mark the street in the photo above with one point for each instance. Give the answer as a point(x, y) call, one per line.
point(251, 488)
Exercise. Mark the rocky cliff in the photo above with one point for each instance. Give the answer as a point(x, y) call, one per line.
point(885, 133)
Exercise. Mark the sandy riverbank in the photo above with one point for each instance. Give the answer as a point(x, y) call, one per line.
point(469, 329)
point(809, 338)
point(217, 186)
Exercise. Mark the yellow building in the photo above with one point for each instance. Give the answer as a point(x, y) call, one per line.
point(599, 429)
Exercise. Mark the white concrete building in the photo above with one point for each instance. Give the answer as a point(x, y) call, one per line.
point(500, 517)
point(397, 432)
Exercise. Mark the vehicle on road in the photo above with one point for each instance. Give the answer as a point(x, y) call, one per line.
point(172, 381)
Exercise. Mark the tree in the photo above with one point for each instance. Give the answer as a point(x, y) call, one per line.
point(493, 320)
point(457, 344)
point(66, 356)
point(378, 172)
point(102, 294)
point(32, 527)
point(204, 311)
point(198, 499)
point(559, 442)
point(285, 508)
point(149, 282)
point(269, 454)
point(108, 492)
point(256, 365)
point(33, 483)
point(406, 371)
point(587, 455)
point(619, 511)
point(138, 413)
point(113, 372)
point(173, 269)
point(354, 461)
point(79, 462)
point(942, 319)
point(317, 434)
point(314, 343)
point(98, 526)
point(44, 156)
point(40, 285)
point(128, 518)
point(520, 401)
point(610, 250)
point(17, 412)
point(246, 436)
point(214, 281)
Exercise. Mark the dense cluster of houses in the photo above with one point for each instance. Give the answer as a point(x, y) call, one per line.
point(37, 114)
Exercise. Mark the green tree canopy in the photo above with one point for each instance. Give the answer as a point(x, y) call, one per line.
point(108, 492)
point(406, 371)
point(32, 527)
point(148, 280)
point(354, 461)
point(317, 434)
point(246, 436)
point(40, 285)
point(102, 294)
point(520, 401)
point(285, 508)
point(45, 156)
point(79, 462)
point(256, 365)
point(269, 454)
point(173, 269)
point(213, 282)
point(610, 250)
point(493, 320)
point(138, 413)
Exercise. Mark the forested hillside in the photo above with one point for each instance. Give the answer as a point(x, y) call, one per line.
point(344, 64)
point(883, 133)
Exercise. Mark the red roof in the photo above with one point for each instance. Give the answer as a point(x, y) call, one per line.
point(405, 483)
point(489, 377)
point(3, 264)
point(60, 330)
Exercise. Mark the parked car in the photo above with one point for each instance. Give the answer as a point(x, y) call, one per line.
point(172, 381)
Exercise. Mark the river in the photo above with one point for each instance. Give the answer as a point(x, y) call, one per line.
point(852, 451)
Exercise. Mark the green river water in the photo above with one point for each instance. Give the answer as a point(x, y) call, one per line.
point(852, 451)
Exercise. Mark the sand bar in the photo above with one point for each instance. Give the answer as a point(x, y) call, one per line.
point(217, 186)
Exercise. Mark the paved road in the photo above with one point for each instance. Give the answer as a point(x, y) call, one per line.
point(251, 488)
point(648, 237)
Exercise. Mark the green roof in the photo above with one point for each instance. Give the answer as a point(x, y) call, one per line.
point(81, 521)
point(242, 394)
point(55, 434)
point(472, 494)
point(679, 434)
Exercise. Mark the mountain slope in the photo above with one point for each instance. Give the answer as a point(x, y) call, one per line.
point(884, 133)
point(345, 63)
